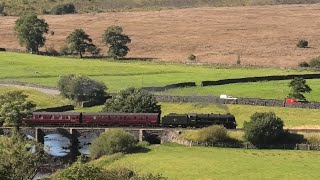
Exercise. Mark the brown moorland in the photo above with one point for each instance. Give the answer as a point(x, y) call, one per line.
point(259, 35)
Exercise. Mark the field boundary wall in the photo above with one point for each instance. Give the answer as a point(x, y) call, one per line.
point(57, 109)
point(259, 79)
point(240, 101)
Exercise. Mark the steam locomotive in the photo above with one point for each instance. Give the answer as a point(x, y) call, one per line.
point(129, 119)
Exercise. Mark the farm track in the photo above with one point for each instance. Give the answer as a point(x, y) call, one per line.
point(257, 35)
point(48, 91)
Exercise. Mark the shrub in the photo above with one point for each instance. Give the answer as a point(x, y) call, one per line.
point(263, 128)
point(52, 52)
point(302, 44)
point(304, 64)
point(113, 141)
point(81, 88)
point(60, 9)
point(192, 57)
point(79, 170)
point(213, 134)
point(315, 62)
point(2, 9)
point(64, 50)
point(125, 173)
point(94, 50)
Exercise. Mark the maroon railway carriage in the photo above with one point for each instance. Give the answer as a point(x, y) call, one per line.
point(54, 118)
point(123, 119)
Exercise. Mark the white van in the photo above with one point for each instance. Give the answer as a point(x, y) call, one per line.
point(224, 96)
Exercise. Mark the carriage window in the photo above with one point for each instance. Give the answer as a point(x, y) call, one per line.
point(69, 117)
point(51, 117)
point(40, 117)
point(60, 117)
point(94, 117)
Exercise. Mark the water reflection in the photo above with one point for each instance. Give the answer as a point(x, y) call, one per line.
point(85, 141)
point(56, 145)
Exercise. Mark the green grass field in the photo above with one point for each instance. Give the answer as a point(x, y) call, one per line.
point(268, 90)
point(42, 100)
point(179, 162)
point(121, 74)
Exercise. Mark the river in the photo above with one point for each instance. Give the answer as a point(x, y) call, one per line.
point(58, 145)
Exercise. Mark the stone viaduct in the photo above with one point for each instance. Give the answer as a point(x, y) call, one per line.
point(152, 135)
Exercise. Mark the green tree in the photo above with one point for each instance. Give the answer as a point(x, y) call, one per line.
point(30, 31)
point(81, 88)
point(13, 107)
point(298, 87)
point(117, 42)
point(79, 41)
point(263, 128)
point(132, 100)
point(19, 158)
point(113, 141)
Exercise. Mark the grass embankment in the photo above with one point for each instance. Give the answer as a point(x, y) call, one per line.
point(121, 74)
point(179, 162)
point(292, 117)
point(17, 7)
point(42, 100)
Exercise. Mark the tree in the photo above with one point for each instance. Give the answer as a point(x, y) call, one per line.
point(79, 41)
point(117, 41)
point(30, 31)
point(113, 141)
point(13, 107)
point(299, 86)
point(19, 158)
point(263, 128)
point(81, 88)
point(132, 100)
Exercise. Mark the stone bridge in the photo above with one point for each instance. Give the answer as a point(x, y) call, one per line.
point(152, 135)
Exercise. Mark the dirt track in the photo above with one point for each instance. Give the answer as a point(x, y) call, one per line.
point(265, 35)
point(43, 90)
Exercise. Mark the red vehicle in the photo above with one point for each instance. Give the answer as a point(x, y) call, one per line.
point(123, 119)
point(291, 101)
point(54, 118)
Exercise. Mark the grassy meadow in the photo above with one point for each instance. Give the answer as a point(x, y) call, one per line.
point(41, 99)
point(117, 75)
point(180, 162)
point(267, 89)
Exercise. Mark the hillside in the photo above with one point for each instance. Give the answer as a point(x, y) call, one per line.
point(264, 35)
point(18, 7)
